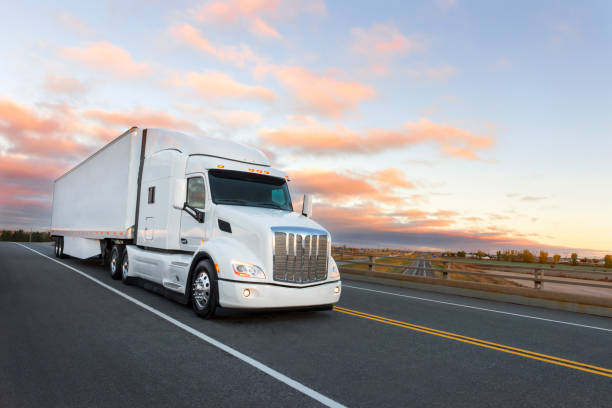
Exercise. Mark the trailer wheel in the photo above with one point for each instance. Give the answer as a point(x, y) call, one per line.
point(60, 249)
point(203, 291)
point(125, 268)
point(115, 261)
point(56, 249)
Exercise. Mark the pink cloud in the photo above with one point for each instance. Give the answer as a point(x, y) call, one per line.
point(74, 24)
point(314, 138)
point(262, 29)
point(234, 11)
point(385, 40)
point(110, 58)
point(323, 95)
point(236, 55)
point(215, 85)
point(392, 178)
point(142, 117)
point(64, 85)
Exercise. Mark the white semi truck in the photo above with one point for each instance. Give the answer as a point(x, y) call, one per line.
point(208, 221)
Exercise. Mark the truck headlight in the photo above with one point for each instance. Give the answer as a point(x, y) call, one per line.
point(335, 273)
point(247, 270)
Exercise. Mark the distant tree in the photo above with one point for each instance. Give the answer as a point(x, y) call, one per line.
point(574, 258)
point(608, 261)
point(461, 254)
point(556, 258)
point(543, 257)
point(585, 260)
point(498, 255)
point(528, 256)
point(595, 261)
point(6, 235)
point(480, 254)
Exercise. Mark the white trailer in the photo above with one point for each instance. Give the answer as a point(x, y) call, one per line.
point(207, 220)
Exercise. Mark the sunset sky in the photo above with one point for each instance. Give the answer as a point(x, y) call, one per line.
point(437, 124)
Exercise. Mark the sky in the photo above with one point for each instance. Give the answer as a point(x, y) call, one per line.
point(448, 124)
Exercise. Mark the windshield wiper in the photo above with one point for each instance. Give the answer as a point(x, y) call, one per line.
point(233, 201)
point(270, 205)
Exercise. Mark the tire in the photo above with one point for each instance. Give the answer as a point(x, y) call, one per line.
point(115, 261)
point(125, 268)
point(323, 308)
point(56, 249)
point(60, 249)
point(203, 292)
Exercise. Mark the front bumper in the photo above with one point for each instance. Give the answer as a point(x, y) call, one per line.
point(269, 296)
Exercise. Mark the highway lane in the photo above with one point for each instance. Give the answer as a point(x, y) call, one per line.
point(419, 267)
point(70, 342)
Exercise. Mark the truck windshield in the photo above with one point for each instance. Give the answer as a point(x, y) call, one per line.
point(248, 189)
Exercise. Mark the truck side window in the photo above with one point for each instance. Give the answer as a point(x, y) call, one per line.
point(151, 195)
point(196, 193)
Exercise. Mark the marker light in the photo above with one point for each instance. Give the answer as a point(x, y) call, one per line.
point(246, 293)
point(220, 166)
point(247, 270)
point(336, 290)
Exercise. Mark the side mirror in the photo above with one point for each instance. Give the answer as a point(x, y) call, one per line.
point(307, 206)
point(180, 192)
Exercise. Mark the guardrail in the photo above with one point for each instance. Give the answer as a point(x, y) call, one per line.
point(536, 276)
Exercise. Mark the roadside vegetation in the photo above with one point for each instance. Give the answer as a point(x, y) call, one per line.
point(24, 236)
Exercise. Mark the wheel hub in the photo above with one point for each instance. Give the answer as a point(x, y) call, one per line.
point(200, 290)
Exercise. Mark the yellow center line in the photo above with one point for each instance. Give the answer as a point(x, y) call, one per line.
point(482, 343)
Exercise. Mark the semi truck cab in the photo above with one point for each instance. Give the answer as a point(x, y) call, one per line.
point(213, 224)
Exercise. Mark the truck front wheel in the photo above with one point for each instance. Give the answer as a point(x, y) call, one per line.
point(204, 290)
point(115, 261)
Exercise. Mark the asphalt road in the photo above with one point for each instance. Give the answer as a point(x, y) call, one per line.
point(66, 340)
point(419, 267)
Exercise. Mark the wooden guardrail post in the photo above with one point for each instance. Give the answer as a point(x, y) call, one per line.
point(445, 271)
point(371, 263)
point(537, 278)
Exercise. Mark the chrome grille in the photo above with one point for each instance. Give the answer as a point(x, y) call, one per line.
point(300, 255)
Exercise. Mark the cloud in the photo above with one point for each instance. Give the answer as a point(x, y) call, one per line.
point(256, 14)
point(532, 198)
point(316, 139)
point(249, 11)
point(74, 24)
point(22, 167)
point(214, 85)
point(262, 29)
point(228, 119)
point(109, 58)
point(142, 117)
point(239, 55)
point(342, 187)
point(64, 85)
point(392, 178)
point(385, 40)
point(323, 95)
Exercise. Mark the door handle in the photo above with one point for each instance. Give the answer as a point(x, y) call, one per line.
point(183, 240)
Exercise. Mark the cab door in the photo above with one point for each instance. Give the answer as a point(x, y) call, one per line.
point(193, 230)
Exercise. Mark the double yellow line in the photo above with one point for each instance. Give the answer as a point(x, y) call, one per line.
point(482, 343)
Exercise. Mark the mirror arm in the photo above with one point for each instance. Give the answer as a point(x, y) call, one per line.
point(194, 212)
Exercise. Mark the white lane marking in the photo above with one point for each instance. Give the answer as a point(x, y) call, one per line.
point(252, 362)
point(344, 285)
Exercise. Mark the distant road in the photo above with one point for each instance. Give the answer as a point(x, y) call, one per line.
point(419, 267)
point(70, 336)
